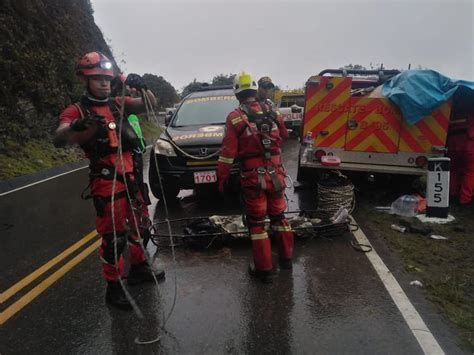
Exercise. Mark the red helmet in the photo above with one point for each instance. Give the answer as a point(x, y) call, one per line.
point(95, 63)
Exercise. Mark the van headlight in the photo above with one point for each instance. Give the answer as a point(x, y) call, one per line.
point(164, 148)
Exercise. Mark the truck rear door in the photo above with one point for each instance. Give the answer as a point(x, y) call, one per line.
point(373, 125)
point(429, 134)
point(326, 104)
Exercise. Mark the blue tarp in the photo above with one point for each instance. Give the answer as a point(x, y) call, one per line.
point(418, 92)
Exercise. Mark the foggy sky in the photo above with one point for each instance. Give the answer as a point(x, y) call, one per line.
point(287, 40)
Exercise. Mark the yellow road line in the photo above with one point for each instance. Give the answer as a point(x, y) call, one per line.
point(50, 280)
point(42, 269)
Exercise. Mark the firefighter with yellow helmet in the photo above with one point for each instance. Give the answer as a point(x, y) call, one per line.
point(254, 135)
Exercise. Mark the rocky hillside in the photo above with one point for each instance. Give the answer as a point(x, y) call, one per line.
point(40, 41)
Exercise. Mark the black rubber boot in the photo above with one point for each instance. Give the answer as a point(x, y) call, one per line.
point(115, 296)
point(286, 264)
point(264, 276)
point(142, 273)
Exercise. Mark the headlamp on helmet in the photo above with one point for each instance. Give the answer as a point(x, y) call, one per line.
point(95, 63)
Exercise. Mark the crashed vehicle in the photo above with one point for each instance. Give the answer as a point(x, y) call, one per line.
point(352, 126)
point(188, 149)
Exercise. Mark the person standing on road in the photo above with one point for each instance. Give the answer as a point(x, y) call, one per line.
point(93, 123)
point(460, 145)
point(265, 87)
point(254, 134)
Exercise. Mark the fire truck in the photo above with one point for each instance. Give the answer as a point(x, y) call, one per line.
point(349, 125)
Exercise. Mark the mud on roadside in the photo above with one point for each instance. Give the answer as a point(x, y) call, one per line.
point(445, 267)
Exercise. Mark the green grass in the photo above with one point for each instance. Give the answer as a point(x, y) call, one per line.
point(39, 154)
point(33, 156)
point(445, 267)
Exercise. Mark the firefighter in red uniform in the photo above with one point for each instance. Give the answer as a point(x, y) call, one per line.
point(461, 151)
point(254, 134)
point(265, 86)
point(94, 124)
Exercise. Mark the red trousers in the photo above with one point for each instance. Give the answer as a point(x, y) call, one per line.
point(260, 202)
point(126, 218)
point(461, 152)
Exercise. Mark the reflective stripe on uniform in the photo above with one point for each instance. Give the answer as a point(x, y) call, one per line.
point(281, 228)
point(259, 236)
point(236, 120)
point(226, 160)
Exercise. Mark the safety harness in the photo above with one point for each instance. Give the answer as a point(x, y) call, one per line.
point(263, 121)
point(104, 143)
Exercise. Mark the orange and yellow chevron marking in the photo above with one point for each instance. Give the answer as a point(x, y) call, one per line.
point(378, 126)
point(426, 133)
point(326, 110)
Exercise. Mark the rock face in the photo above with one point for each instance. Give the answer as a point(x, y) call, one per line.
point(40, 42)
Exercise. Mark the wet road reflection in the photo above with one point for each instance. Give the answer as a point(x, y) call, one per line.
point(332, 301)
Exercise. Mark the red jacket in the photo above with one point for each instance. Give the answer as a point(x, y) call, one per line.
point(71, 112)
point(243, 140)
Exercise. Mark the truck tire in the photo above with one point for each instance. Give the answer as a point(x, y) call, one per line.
point(171, 188)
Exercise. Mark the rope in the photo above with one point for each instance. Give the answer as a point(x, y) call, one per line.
point(334, 193)
point(149, 109)
point(151, 113)
point(189, 155)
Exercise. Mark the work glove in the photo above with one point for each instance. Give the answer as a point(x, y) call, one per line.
point(81, 124)
point(135, 81)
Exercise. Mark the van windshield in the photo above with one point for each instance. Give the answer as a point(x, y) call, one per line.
point(205, 110)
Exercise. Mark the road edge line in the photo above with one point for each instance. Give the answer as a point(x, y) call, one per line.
point(411, 316)
point(40, 181)
point(46, 283)
point(4, 296)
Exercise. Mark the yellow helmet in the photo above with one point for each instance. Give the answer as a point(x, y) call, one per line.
point(244, 81)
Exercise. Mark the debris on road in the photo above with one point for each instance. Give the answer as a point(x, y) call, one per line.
point(438, 237)
point(416, 283)
point(424, 219)
point(408, 205)
point(231, 224)
point(398, 228)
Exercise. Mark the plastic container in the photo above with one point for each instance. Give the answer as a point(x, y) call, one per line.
point(406, 206)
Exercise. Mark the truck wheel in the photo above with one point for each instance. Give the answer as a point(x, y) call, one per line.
point(171, 188)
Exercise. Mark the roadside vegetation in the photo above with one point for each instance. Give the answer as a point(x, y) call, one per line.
point(445, 267)
point(40, 154)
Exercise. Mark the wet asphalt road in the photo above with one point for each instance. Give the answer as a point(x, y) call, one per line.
point(332, 301)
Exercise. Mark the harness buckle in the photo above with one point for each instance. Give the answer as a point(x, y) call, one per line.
point(271, 170)
point(105, 172)
point(266, 141)
point(261, 170)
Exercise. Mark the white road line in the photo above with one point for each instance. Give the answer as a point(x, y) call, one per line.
point(40, 181)
point(419, 329)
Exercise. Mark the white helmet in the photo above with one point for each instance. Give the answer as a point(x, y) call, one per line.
point(244, 81)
